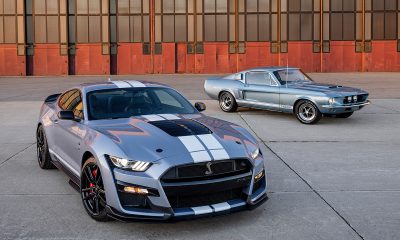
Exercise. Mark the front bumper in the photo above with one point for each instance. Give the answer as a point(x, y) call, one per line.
point(160, 207)
point(189, 213)
point(338, 109)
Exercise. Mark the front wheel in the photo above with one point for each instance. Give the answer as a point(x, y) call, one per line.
point(92, 191)
point(227, 102)
point(307, 113)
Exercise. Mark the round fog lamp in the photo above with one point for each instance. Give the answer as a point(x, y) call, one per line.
point(349, 99)
point(355, 98)
point(331, 101)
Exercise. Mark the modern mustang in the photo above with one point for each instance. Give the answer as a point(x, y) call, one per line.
point(285, 90)
point(139, 150)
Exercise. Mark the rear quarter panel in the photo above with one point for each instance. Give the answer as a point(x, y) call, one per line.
point(213, 87)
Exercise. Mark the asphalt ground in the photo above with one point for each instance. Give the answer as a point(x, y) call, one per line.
point(335, 180)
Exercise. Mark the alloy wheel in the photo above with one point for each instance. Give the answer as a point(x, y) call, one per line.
point(92, 190)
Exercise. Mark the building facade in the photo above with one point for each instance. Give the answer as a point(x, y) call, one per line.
point(95, 37)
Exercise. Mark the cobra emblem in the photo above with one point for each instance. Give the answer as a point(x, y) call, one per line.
point(209, 171)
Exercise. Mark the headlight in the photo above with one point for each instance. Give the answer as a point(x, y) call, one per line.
point(255, 153)
point(355, 98)
point(331, 101)
point(137, 166)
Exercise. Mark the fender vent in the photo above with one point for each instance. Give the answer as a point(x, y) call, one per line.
point(181, 127)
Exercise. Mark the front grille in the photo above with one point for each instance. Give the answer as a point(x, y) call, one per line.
point(360, 98)
point(182, 201)
point(201, 171)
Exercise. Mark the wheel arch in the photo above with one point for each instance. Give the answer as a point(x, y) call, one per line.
point(86, 155)
point(303, 98)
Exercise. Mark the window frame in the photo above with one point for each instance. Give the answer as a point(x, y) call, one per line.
point(82, 100)
point(273, 82)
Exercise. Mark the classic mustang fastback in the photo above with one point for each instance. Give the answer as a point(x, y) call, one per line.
point(285, 90)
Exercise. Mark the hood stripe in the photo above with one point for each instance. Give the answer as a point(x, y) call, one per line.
point(191, 143)
point(121, 84)
point(169, 116)
point(153, 118)
point(204, 148)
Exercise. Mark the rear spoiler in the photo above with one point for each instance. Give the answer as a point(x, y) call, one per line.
point(52, 98)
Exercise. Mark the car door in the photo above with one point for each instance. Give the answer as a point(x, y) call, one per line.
point(261, 90)
point(68, 134)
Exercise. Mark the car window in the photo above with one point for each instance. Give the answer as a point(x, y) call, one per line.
point(72, 100)
point(128, 102)
point(167, 99)
point(260, 78)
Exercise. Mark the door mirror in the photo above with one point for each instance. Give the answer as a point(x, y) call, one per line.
point(66, 115)
point(238, 76)
point(200, 106)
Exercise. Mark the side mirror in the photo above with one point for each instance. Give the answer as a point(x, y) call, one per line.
point(66, 115)
point(200, 106)
point(238, 76)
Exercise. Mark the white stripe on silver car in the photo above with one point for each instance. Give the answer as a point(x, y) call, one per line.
point(195, 146)
point(121, 84)
point(152, 118)
point(219, 207)
point(216, 149)
point(202, 210)
point(169, 116)
point(136, 84)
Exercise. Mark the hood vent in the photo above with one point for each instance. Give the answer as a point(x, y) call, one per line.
point(181, 127)
point(336, 86)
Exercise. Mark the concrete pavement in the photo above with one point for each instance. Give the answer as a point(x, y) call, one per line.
point(335, 180)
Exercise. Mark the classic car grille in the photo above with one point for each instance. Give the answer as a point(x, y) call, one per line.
point(360, 98)
point(182, 201)
point(201, 171)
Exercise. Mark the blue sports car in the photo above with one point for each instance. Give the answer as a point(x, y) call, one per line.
point(286, 90)
point(139, 150)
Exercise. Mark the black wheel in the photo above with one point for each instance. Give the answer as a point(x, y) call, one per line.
point(227, 102)
point(92, 191)
point(42, 150)
point(344, 115)
point(307, 113)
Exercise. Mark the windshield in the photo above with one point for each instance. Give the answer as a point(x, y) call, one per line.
point(128, 102)
point(292, 76)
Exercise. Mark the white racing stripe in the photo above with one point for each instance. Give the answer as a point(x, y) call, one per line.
point(202, 210)
point(200, 156)
point(169, 116)
point(216, 149)
point(219, 154)
point(121, 84)
point(153, 118)
point(210, 141)
point(219, 207)
point(136, 84)
point(191, 143)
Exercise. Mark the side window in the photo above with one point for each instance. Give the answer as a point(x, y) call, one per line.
point(72, 100)
point(167, 99)
point(259, 78)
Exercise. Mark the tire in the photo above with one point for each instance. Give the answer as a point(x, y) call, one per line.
point(92, 191)
point(307, 113)
point(227, 102)
point(344, 115)
point(42, 150)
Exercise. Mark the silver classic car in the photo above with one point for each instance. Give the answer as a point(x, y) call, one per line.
point(285, 90)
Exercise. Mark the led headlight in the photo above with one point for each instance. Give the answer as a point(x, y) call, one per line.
point(137, 166)
point(331, 101)
point(255, 153)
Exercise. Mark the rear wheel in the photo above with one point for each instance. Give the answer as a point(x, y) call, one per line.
point(227, 102)
point(92, 191)
point(307, 113)
point(42, 149)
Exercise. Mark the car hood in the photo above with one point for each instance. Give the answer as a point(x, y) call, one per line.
point(326, 88)
point(142, 139)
